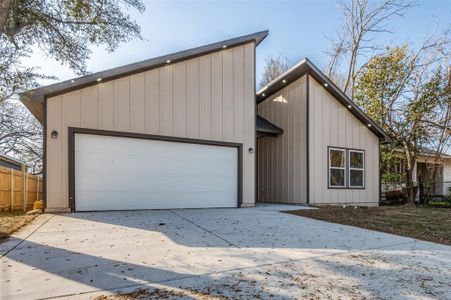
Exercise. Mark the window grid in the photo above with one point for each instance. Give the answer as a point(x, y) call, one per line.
point(337, 168)
point(357, 169)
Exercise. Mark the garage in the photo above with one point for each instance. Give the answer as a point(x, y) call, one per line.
point(113, 172)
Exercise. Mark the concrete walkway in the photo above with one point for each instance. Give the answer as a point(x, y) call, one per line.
point(238, 253)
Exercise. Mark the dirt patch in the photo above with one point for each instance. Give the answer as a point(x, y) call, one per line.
point(13, 221)
point(424, 223)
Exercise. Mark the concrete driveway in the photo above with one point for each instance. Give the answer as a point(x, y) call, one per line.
point(237, 253)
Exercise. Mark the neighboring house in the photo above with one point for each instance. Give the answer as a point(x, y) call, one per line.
point(180, 131)
point(430, 172)
point(11, 163)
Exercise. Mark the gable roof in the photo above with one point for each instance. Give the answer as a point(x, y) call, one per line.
point(307, 67)
point(34, 99)
point(264, 127)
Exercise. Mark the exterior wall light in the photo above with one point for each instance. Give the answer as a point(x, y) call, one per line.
point(54, 134)
point(251, 150)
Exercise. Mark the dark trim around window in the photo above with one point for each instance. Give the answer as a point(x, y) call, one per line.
point(347, 169)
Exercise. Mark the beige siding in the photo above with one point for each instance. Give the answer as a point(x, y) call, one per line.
point(331, 124)
point(210, 97)
point(282, 160)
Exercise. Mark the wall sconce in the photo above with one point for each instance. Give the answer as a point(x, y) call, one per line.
point(251, 150)
point(54, 134)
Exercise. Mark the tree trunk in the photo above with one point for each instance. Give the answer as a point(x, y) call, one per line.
point(5, 8)
point(409, 186)
point(411, 160)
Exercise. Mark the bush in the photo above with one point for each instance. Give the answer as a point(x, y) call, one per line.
point(38, 205)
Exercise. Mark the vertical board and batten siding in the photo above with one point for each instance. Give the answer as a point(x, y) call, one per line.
point(282, 160)
point(209, 97)
point(331, 124)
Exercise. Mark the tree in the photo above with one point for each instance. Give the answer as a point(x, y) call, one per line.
point(21, 135)
point(64, 30)
point(407, 94)
point(274, 67)
point(363, 19)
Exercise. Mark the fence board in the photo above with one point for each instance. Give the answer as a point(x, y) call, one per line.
point(32, 186)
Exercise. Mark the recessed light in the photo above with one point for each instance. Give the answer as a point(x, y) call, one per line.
point(263, 95)
point(168, 61)
point(349, 106)
point(225, 46)
point(99, 79)
point(326, 85)
point(284, 81)
point(72, 81)
point(369, 125)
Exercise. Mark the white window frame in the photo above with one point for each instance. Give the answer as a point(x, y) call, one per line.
point(357, 169)
point(337, 168)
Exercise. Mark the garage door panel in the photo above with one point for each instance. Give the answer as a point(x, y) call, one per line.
point(113, 173)
point(112, 201)
point(140, 182)
point(124, 164)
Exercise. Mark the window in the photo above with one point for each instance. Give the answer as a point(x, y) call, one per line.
point(346, 168)
point(337, 167)
point(356, 169)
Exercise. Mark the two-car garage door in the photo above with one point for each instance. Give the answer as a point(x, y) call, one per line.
point(119, 173)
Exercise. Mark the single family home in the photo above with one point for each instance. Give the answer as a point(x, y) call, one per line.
point(182, 131)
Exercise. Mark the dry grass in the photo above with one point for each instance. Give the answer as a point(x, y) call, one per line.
point(13, 221)
point(424, 223)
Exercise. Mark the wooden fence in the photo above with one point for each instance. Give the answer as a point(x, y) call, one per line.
point(18, 189)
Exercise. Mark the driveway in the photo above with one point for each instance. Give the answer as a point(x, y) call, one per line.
point(239, 253)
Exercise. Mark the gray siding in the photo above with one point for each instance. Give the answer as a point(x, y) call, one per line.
point(331, 124)
point(282, 160)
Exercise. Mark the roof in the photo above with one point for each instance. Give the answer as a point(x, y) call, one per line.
point(423, 151)
point(307, 67)
point(34, 99)
point(264, 127)
point(11, 160)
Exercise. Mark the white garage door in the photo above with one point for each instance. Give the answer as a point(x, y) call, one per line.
point(115, 173)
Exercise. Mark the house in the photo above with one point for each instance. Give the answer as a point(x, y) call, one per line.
point(329, 150)
point(180, 131)
point(431, 173)
point(433, 182)
point(11, 163)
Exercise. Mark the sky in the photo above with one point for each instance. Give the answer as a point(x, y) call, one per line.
point(297, 29)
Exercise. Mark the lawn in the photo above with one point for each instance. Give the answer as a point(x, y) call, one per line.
point(424, 223)
point(13, 221)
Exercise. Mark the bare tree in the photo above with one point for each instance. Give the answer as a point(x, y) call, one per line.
point(275, 65)
point(355, 38)
point(20, 135)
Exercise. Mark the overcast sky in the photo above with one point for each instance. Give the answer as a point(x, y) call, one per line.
point(297, 29)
